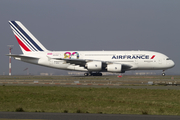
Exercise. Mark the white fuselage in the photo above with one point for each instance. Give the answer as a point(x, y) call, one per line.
point(138, 60)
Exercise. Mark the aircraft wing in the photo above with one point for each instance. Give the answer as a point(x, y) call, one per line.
point(22, 56)
point(82, 62)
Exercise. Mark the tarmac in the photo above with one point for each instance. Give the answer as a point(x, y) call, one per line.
point(136, 82)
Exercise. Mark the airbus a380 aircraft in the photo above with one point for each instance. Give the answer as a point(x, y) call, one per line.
point(91, 62)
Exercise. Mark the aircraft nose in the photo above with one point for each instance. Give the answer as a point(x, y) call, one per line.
point(171, 64)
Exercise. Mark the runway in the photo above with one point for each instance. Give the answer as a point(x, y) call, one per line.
point(70, 116)
point(107, 81)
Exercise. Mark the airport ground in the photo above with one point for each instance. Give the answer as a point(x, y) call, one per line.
point(152, 95)
point(91, 80)
point(80, 116)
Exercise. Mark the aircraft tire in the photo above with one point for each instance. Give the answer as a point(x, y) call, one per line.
point(92, 74)
point(96, 74)
point(86, 74)
point(99, 74)
point(89, 74)
point(163, 74)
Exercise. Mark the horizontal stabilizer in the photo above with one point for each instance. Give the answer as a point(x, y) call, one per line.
point(22, 56)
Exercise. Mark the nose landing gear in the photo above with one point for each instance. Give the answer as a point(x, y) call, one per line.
point(163, 73)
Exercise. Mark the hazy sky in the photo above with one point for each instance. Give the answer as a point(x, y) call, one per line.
point(92, 25)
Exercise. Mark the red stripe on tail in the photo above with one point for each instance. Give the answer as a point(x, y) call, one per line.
point(22, 44)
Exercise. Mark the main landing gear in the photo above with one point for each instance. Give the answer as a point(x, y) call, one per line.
point(93, 74)
point(163, 73)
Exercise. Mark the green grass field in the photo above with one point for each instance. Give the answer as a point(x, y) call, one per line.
point(89, 100)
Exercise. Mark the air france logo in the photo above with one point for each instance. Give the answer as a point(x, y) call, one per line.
point(132, 57)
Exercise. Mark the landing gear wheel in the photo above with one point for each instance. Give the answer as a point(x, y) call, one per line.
point(90, 74)
point(99, 74)
point(96, 74)
point(93, 74)
point(163, 74)
point(86, 74)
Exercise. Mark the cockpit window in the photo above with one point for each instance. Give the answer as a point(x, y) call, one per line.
point(168, 59)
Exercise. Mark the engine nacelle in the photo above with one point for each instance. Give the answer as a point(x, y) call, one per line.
point(94, 66)
point(114, 68)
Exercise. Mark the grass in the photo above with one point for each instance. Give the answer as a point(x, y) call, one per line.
point(89, 100)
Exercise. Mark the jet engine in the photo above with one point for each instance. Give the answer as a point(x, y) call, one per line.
point(114, 68)
point(94, 66)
